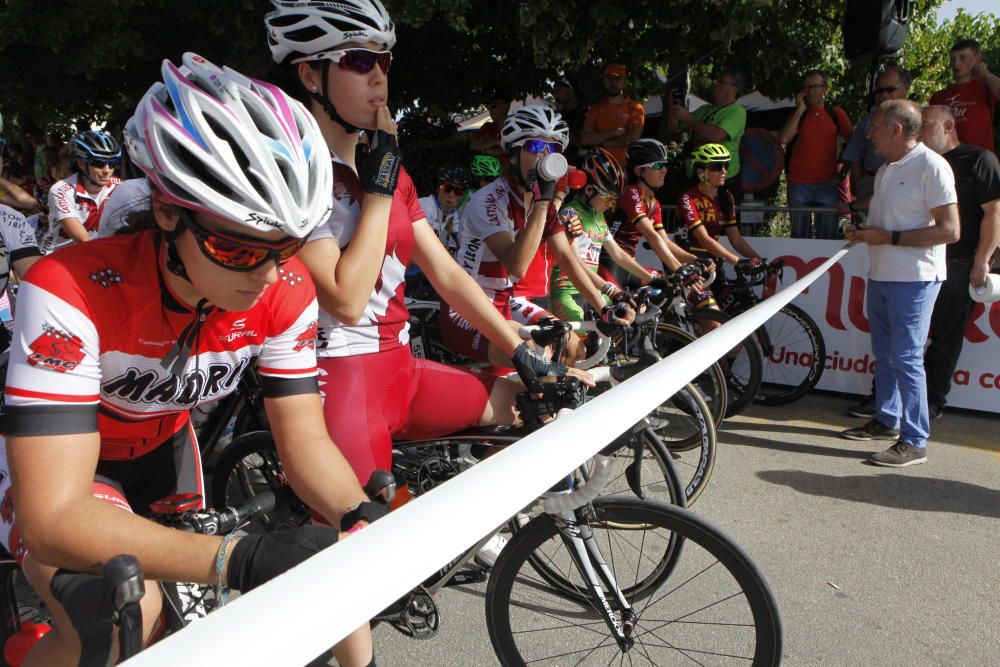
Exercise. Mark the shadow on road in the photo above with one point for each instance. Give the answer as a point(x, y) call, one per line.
point(792, 444)
point(903, 491)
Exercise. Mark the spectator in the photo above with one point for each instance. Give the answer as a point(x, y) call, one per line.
point(38, 144)
point(973, 97)
point(443, 207)
point(487, 138)
point(720, 123)
point(12, 194)
point(567, 96)
point(913, 215)
point(616, 121)
point(811, 136)
point(892, 84)
point(977, 181)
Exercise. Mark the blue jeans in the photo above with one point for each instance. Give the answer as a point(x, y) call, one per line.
point(825, 195)
point(900, 315)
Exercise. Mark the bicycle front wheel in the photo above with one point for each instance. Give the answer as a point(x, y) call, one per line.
point(715, 607)
point(683, 424)
point(794, 356)
point(711, 383)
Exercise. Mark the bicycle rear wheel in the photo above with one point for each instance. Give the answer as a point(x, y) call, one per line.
point(743, 365)
point(794, 356)
point(715, 607)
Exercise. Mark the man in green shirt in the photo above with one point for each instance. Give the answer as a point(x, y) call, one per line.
point(720, 123)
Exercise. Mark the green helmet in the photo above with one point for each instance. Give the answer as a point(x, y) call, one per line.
point(710, 154)
point(485, 166)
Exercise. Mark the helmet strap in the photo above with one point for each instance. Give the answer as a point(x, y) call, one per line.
point(174, 263)
point(328, 107)
point(645, 182)
point(518, 176)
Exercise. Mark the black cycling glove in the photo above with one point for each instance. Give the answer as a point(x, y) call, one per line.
point(257, 559)
point(378, 163)
point(530, 365)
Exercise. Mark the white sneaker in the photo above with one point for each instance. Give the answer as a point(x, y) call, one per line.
point(488, 554)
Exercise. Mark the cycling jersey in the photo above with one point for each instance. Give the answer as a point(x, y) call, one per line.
point(17, 241)
point(131, 195)
point(385, 322)
point(632, 206)
point(98, 327)
point(697, 209)
point(445, 224)
point(497, 208)
point(565, 304)
point(69, 199)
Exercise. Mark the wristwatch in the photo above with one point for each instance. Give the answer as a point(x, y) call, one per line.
point(895, 237)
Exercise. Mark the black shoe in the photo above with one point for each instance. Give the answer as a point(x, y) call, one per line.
point(900, 455)
point(864, 409)
point(872, 430)
point(935, 411)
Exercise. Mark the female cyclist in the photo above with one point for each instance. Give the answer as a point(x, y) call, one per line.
point(708, 209)
point(605, 184)
point(339, 53)
point(117, 339)
point(639, 214)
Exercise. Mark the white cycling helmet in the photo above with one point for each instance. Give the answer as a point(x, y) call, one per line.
point(533, 121)
point(305, 28)
point(213, 140)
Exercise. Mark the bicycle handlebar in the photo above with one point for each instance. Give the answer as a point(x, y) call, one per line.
point(556, 502)
point(530, 332)
point(227, 519)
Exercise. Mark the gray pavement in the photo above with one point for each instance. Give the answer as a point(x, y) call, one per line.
point(870, 566)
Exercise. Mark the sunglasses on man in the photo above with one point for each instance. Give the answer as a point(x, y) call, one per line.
point(95, 162)
point(237, 252)
point(361, 61)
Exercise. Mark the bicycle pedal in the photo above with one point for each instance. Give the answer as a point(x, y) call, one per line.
point(474, 575)
point(419, 618)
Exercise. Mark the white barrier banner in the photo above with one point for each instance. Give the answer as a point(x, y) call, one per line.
point(837, 303)
point(295, 617)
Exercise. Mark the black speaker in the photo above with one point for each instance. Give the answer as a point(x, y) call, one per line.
point(874, 28)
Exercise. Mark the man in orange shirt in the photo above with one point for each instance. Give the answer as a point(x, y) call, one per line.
point(813, 130)
point(615, 122)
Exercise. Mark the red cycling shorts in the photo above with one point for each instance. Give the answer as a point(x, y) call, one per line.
point(369, 399)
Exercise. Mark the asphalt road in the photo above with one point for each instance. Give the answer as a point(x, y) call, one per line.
point(870, 566)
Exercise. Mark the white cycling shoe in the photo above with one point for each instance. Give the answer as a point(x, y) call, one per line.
point(488, 554)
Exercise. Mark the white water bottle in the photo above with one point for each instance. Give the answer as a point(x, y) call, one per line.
point(552, 167)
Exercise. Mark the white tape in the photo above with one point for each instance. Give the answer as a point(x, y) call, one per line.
point(295, 617)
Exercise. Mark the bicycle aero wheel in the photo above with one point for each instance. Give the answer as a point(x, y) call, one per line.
point(715, 607)
point(682, 424)
point(249, 466)
point(711, 383)
point(743, 365)
point(794, 356)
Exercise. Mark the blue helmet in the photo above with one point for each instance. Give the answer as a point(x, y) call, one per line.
point(95, 146)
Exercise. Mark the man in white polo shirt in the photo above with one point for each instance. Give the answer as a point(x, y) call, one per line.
point(913, 215)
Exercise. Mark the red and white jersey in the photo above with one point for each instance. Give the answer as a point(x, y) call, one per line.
point(69, 199)
point(493, 209)
point(17, 241)
point(97, 325)
point(385, 323)
point(632, 206)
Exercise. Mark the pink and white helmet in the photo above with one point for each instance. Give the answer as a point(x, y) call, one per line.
point(306, 27)
point(215, 141)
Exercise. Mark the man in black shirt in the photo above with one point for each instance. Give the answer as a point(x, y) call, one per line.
point(977, 181)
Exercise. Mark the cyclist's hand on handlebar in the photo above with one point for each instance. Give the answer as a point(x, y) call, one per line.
point(531, 366)
point(583, 376)
point(258, 558)
point(618, 313)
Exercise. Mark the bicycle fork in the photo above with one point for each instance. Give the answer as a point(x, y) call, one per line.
point(579, 538)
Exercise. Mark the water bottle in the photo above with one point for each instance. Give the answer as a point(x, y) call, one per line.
point(552, 166)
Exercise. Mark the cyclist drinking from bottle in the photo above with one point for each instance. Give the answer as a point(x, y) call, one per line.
point(117, 339)
point(339, 53)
